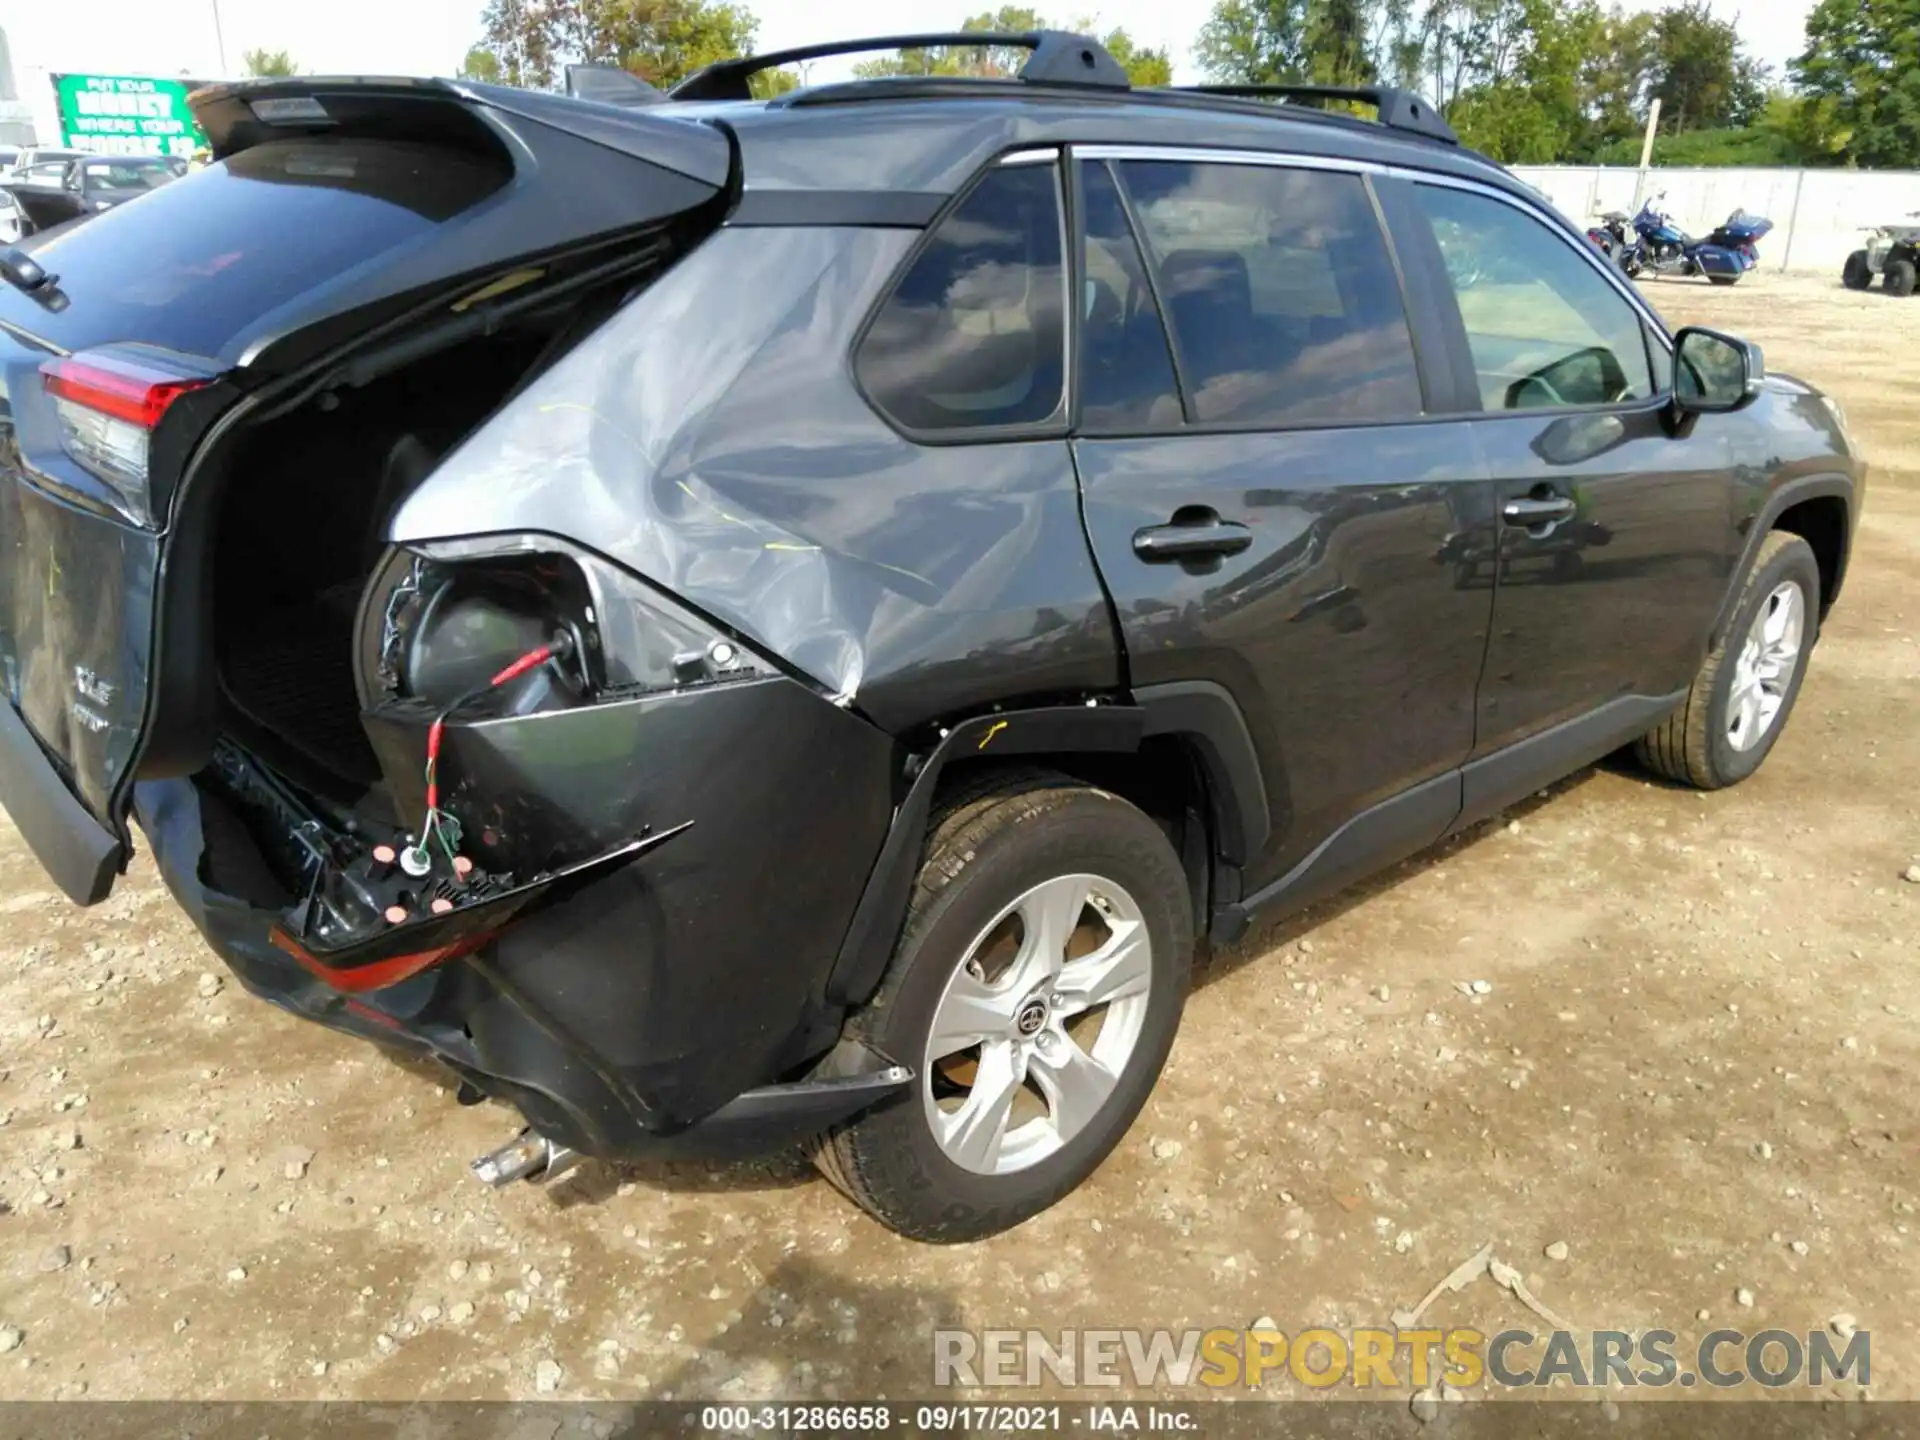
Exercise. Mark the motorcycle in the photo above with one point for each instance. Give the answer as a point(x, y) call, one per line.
point(1610, 236)
point(1661, 247)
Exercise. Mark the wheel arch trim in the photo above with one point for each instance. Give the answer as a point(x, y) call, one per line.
point(1206, 714)
point(1200, 712)
point(1794, 492)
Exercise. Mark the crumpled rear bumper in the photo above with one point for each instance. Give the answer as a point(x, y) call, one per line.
point(659, 1007)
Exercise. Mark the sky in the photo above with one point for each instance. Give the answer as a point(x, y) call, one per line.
point(428, 37)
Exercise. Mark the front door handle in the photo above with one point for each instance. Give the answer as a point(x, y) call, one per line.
point(1531, 510)
point(1193, 535)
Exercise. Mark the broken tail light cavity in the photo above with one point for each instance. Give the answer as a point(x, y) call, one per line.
point(441, 619)
point(107, 406)
point(444, 641)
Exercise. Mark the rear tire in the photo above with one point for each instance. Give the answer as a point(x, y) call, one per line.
point(1857, 274)
point(1724, 279)
point(966, 954)
point(1714, 739)
point(1899, 277)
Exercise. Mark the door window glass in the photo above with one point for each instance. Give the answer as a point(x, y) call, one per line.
point(1280, 290)
point(1126, 375)
point(973, 337)
point(1545, 328)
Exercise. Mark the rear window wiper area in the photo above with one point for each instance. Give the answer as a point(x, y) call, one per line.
point(31, 278)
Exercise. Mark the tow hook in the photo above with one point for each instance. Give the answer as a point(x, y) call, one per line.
point(525, 1157)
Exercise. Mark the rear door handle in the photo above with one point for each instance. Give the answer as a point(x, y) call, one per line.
point(1533, 510)
point(1198, 539)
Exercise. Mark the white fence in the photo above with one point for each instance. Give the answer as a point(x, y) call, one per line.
point(1818, 215)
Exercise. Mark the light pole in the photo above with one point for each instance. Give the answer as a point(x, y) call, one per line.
point(219, 39)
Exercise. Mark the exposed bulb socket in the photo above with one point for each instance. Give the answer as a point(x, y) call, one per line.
point(415, 860)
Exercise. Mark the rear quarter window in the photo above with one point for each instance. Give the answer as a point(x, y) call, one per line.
point(202, 258)
point(973, 336)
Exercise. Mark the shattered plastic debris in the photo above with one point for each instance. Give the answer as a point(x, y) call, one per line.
point(1482, 1262)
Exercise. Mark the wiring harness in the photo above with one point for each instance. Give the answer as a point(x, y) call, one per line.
point(438, 825)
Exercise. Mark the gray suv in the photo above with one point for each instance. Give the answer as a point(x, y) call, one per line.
point(731, 623)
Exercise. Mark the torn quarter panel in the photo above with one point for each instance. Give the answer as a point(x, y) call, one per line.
point(686, 970)
point(710, 438)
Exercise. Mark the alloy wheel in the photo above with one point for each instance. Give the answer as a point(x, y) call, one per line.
point(1764, 672)
point(1037, 1024)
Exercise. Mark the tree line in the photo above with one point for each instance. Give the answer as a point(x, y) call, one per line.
point(1525, 81)
point(1537, 81)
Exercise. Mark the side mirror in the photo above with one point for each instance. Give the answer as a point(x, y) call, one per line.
point(1713, 372)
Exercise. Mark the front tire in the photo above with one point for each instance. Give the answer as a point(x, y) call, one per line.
point(1035, 991)
point(1740, 701)
point(1857, 274)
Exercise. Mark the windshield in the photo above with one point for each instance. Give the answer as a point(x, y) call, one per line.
point(126, 174)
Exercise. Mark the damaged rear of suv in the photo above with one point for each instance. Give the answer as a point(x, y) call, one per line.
point(728, 623)
point(407, 533)
point(357, 762)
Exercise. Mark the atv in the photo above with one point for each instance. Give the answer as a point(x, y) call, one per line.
point(1892, 253)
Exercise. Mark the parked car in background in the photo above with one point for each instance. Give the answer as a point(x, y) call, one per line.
point(63, 191)
point(720, 665)
point(31, 157)
point(12, 223)
point(102, 181)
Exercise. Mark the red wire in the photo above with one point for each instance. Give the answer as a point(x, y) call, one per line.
point(518, 668)
point(433, 762)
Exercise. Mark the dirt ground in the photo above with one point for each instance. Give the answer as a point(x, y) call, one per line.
point(1694, 1068)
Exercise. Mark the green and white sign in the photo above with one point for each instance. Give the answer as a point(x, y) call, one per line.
point(126, 115)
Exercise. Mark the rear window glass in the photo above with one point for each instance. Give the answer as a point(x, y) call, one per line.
point(202, 258)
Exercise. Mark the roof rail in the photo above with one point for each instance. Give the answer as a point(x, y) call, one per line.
point(1058, 58)
point(1399, 109)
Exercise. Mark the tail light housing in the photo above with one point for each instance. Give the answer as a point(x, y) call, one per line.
point(440, 619)
point(107, 405)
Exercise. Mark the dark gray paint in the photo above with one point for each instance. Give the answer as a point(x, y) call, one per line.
point(737, 466)
point(1350, 640)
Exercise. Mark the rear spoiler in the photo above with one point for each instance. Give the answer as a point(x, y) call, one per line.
point(245, 113)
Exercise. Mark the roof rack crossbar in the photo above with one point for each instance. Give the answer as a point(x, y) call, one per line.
point(1058, 58)
point(1399, 109)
